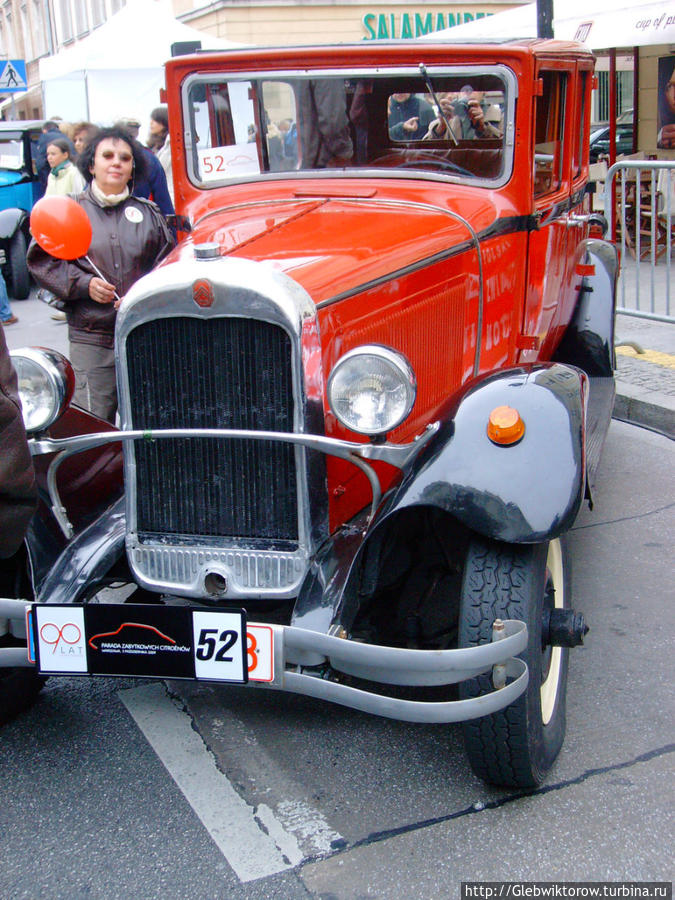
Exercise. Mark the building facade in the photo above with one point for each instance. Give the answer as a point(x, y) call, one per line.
point(289, 22)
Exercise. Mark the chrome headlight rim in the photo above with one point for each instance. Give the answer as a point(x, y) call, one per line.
point(401, 366)
point(60, 379)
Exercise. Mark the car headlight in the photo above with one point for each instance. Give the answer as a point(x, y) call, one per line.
point(46, 384)
point(372, 389)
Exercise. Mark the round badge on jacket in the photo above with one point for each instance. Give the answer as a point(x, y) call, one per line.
point(133, 214)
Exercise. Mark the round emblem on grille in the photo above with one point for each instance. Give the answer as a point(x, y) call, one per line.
point(202, 293)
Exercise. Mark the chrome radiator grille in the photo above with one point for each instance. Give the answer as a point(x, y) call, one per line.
point(235, 373)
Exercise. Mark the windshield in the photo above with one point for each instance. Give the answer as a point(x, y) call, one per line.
point(11, 154)
point(445, 123)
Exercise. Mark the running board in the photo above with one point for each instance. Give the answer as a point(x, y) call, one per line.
point(598, 417)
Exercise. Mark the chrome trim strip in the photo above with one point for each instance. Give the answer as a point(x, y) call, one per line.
point(359, 454)
point(412, 710)
point(434, 70)
point(474, 240)
point(242, 289)
point(395, 665)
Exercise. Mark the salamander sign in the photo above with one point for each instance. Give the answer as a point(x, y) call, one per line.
point(381, 26)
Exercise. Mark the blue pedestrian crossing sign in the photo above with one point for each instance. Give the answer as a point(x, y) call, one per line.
point(13, 76)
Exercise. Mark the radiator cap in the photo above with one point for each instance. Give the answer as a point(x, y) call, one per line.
point(209, 250)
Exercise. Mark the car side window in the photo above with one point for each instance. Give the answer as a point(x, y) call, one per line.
point(549, 133)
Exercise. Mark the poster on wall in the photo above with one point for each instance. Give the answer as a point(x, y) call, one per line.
point(666, 104)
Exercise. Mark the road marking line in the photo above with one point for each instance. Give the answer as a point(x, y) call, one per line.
point(232, 823)
point(653, 356)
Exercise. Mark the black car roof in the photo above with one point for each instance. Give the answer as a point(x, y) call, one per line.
point(22, 125)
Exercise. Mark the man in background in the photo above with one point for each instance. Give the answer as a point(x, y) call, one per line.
point(154, 187)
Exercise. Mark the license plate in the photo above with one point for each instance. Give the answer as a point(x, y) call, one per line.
point(150, 641)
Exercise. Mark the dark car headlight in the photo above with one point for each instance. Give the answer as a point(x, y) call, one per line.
point(46, 385)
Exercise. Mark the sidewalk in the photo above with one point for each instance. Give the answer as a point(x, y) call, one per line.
point(645, 383)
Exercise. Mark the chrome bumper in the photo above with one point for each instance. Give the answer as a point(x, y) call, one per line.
point(333, 656)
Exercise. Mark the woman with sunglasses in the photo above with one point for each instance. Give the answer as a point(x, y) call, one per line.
point(129, 237)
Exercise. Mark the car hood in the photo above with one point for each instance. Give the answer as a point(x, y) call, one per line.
point(332, 245)
point(9, 177)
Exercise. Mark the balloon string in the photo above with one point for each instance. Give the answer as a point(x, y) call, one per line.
point(100, 275)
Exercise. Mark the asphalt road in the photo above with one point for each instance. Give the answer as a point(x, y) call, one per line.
point(272, 795)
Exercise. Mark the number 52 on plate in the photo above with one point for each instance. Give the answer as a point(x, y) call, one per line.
point(226, 651)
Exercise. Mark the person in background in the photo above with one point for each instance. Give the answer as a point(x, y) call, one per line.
point(129, 237)
point(18, 494)
point(50, 131)
point(289, 136)
point(323, 124)
point(409, 117)
point(159, 142)
point(64, 177)
point(153, 185)
point(83, 132)
point(666, 136)
point(6, 315)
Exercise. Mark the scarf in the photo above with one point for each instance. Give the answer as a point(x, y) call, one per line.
point(107, 199)
point(61, 166)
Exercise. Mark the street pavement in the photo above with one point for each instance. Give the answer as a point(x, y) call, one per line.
point(645, 380)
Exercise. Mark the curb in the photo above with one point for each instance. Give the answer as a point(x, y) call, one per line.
point(650, 409)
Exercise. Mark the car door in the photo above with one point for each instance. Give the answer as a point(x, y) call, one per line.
point(549, 278)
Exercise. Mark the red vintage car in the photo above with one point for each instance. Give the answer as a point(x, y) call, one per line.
point(362, 401)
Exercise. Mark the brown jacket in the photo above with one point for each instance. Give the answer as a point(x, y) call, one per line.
point(18, 494)
point(128, 241)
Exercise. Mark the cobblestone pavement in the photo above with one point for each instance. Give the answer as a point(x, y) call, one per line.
point(646, 381)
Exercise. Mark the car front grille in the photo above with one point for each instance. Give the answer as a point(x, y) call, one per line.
point(227, 372)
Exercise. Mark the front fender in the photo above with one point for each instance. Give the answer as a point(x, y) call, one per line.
point(81, 562)
point(10, 221)
point(588, 342)
point(523, 493)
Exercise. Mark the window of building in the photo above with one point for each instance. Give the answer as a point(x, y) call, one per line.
point(40, 45)
point(66, 21)
point(81, 22)
point(8, 41)
point(27, 33)
point(97, 13)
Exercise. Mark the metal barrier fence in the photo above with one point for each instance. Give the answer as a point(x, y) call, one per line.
point(640, 205)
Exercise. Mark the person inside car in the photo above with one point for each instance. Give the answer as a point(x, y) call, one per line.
point(409, 117)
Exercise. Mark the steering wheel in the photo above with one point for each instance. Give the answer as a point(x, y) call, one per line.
point(426, 160)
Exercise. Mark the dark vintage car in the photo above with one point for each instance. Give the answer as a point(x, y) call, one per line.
point(361, 404)
point(19, 189)
point(600, 141)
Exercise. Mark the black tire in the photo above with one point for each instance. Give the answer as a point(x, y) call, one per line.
point(18, 690)
point(19, 686)
point(517, 746)
point(19, 276)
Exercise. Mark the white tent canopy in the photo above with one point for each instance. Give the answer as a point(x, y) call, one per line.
point(117, 70)
point(600, 24)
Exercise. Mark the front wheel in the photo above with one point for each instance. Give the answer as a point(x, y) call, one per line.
point(19, 276)
point(518, 745)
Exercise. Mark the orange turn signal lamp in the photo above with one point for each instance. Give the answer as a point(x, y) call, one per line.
point(505, 426)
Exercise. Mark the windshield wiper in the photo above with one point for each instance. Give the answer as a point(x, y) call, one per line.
point(430, 88)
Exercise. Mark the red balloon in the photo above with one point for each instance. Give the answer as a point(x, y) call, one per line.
point(61, 227)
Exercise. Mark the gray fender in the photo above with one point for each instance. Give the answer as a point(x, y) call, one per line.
point(524, 493)
point(10, 221)
point(83, 560)
point(588, 341)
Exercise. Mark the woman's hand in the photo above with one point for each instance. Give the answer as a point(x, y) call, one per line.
point(100, 291)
